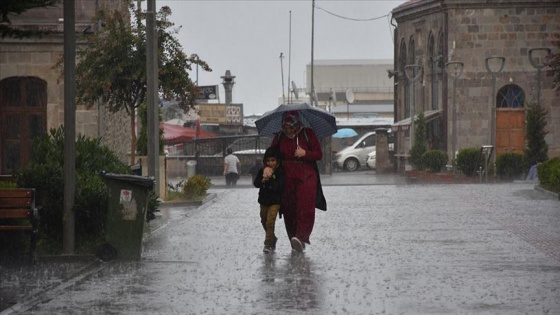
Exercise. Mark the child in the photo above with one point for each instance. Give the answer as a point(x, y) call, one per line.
point(270, 195)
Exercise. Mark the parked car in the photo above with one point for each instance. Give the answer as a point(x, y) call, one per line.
point(355, 156)
point(370, 162)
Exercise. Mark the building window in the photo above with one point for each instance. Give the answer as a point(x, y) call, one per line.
point(402, 64)
point(23, 112)
point(510, 96)
point(433, 68)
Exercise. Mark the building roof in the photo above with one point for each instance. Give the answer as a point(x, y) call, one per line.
point(351, 62)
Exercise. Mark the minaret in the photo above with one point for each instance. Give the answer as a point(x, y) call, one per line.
point(228, 85)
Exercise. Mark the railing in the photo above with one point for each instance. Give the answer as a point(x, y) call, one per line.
point(209, 154)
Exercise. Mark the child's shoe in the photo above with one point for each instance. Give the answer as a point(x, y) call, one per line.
point(268, 249)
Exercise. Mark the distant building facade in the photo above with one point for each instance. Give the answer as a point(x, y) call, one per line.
point(366, 80)
point(32, 94)
point(448, 56)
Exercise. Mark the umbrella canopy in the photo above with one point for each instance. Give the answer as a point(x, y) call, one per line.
point(345, 133)
point(322, 122)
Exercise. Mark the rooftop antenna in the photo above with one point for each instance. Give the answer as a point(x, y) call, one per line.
point(282, 71)
point(295, 90)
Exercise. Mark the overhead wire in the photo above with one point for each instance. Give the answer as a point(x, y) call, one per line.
point(349, 18)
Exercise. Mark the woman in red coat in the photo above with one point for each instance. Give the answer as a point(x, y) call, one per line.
point(300, 149)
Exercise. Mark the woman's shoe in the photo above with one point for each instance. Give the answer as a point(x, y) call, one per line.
point(296, 244)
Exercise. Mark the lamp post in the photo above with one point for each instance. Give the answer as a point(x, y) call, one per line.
point(538, 66)
point(454, 69)
point(413, 73)
point(488, 62)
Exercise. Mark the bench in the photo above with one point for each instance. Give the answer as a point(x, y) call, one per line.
point(19, 213)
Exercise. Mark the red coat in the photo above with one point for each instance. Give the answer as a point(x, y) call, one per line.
point(298, 204)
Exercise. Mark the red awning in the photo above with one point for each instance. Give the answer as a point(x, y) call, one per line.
point(173, 134)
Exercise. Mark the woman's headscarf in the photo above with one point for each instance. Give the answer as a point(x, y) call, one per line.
point(292, 118)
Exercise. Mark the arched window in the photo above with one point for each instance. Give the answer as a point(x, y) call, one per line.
point(410, 85)
point(402, 64)
point(510, 96)
point(435, 60)
point(23, 112)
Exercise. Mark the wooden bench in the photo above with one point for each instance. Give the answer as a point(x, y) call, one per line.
point(19, 203)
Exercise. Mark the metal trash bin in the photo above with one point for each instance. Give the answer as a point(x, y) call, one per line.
point(191, 168)
point(127, 208)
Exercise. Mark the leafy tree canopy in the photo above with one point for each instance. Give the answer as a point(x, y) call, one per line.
point(112, 65)
point(10, 7)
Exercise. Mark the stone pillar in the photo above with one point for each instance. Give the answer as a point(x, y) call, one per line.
point(382, 160)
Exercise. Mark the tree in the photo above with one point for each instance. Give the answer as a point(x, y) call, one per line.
point(537, 149)
point(420, 145)
point(10, 7)
point(112, 66)
point(553, 64)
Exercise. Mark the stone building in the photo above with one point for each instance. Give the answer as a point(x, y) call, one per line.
point(472, 67)
point(32, 91)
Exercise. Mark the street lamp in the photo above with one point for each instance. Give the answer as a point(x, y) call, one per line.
point(538, 66)
point(412, 73)
point(488, 61)
point(454, 69)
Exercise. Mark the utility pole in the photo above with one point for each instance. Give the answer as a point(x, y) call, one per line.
point(152, 93)
point(68, 241)
point(312, 96)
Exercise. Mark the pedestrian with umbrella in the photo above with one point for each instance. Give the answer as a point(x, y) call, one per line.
point(296, 136)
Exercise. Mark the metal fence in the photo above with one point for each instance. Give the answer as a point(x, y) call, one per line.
point(209, 155)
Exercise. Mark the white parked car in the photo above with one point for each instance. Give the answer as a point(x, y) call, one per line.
point(370, 162)
point(355, 156)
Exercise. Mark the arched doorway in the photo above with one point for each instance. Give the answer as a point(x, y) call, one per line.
point(23, 116)
point(510, 119)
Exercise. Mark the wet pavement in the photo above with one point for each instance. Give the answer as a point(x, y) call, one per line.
point(383, 247)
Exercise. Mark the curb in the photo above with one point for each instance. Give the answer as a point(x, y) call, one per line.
point(197, 203)
point(547, 192)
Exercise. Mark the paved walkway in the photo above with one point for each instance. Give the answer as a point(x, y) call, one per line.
point(379, 249)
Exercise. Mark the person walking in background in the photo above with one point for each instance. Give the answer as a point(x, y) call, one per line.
point(270, 195)
point(232, 165)
point(300, 150)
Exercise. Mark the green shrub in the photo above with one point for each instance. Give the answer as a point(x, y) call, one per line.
point(509, 165)
point(434, 160)
point(45, 173)
point(6, 184)
point(549, 174)
point(469, 160)
point(420, 145)
point(535, 132)
point(196, 186)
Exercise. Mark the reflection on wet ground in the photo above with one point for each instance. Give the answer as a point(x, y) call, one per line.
point(289, 284)
point(382, 249)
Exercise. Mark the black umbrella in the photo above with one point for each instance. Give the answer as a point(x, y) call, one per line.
point(322, 122)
